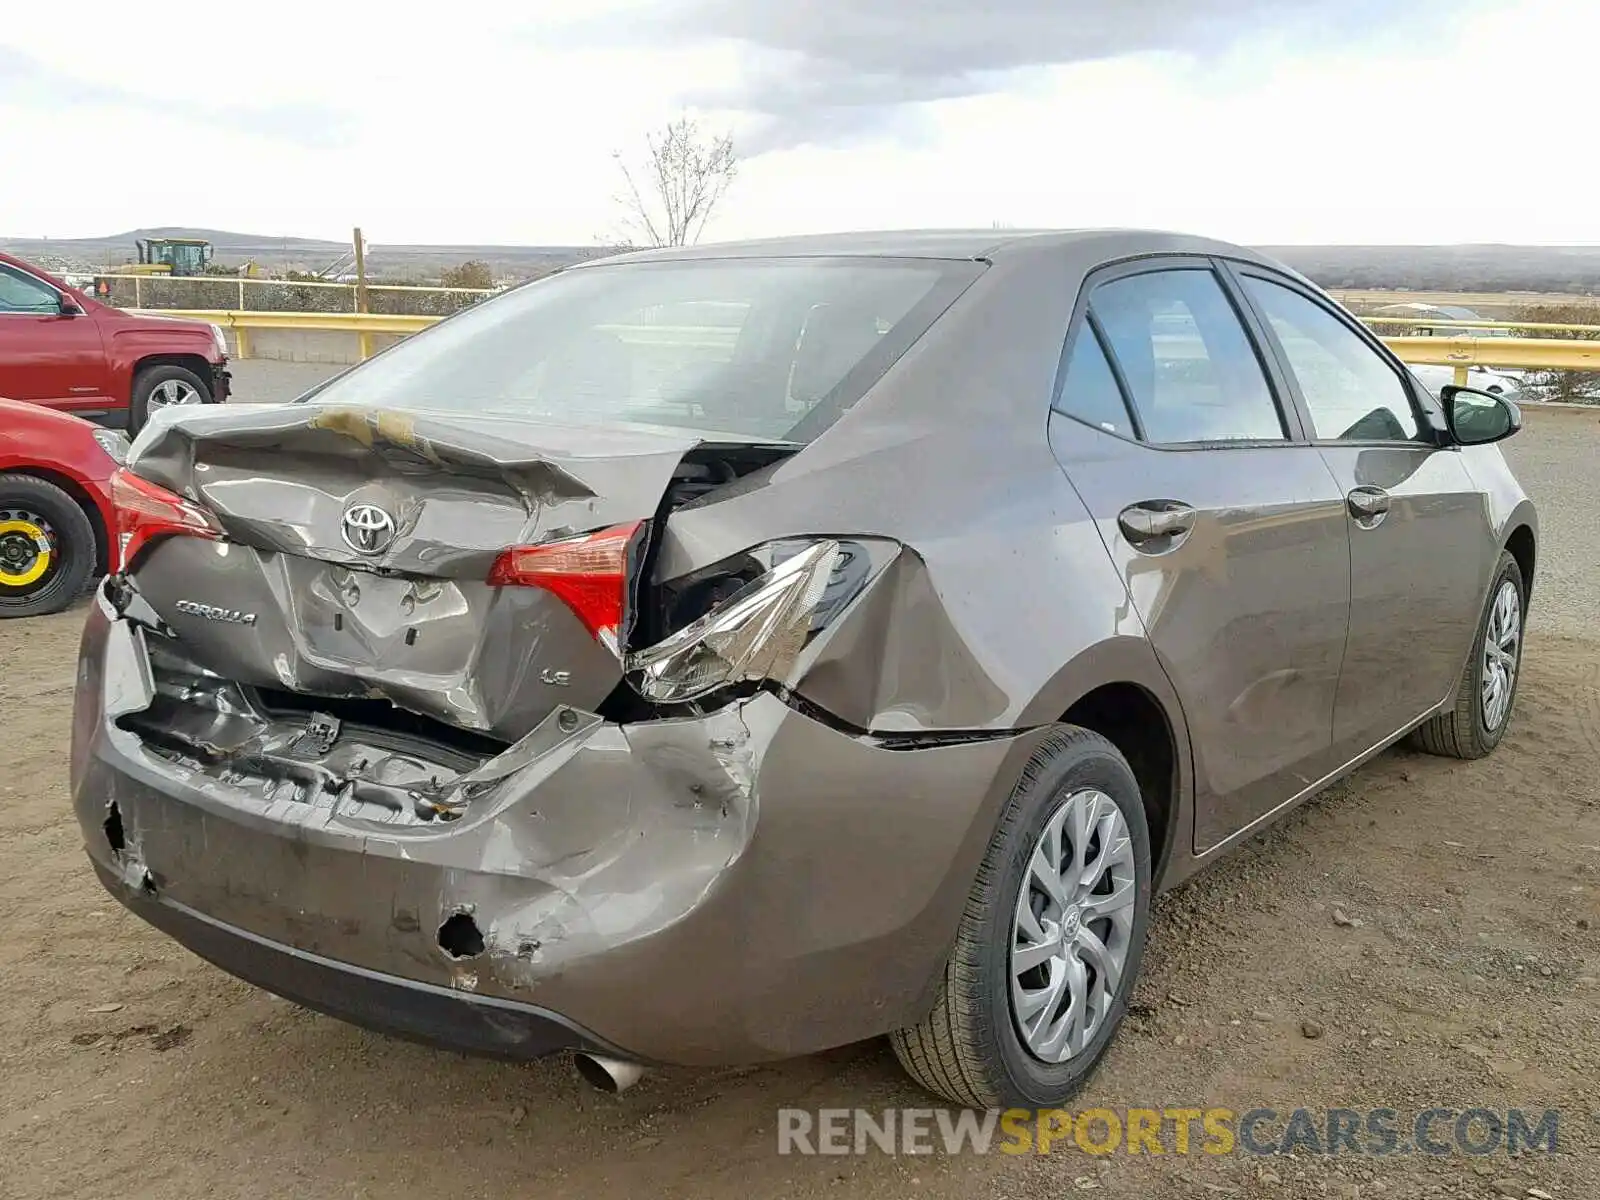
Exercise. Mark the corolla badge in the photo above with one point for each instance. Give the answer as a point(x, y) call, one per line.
point(213, 612)
point(367, 529)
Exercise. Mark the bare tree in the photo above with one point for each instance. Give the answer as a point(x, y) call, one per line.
point(669, 198)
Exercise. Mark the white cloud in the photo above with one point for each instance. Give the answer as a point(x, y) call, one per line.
point(485, 125)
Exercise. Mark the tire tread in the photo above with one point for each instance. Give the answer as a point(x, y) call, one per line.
point(73, 527)
point(942, 1052)
point(1457, 732)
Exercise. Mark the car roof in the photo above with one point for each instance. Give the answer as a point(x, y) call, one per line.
point(968, 244)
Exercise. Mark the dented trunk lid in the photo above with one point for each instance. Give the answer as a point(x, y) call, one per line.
point(299, 597)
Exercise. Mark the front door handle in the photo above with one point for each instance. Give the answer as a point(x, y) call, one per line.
point(1156, 524)
point(1368, 505)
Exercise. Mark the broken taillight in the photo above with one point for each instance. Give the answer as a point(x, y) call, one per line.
point(146, 512)
point(589, 572)
point(755, 634)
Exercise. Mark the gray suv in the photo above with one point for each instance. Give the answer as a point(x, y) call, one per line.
point(710, 656)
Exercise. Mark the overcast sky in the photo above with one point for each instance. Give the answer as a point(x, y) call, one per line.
point(1261, 122)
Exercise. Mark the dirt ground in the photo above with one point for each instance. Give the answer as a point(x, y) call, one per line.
point(1462, 970)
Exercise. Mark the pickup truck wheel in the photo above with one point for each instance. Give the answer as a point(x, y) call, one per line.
point(47, 547)
point(164, 387)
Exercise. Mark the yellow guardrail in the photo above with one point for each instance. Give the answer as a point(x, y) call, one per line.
point(1508, 325)
point(241, 322)
point(1549, 354)
point(1563, 354)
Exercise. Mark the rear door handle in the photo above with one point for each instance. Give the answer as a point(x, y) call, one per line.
point(1368, 505)
point(1151, 522)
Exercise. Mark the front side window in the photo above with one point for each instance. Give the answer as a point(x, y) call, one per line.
point(762, 348)
point(1191, 371)
point(22, 293)
point(1351, 393)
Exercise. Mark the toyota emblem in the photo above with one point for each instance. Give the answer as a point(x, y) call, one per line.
point(367, 529)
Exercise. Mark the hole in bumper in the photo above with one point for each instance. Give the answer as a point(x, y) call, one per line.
point(419, 1012)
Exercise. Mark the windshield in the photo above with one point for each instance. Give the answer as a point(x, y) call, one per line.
point(759, 348)
point(187, 258)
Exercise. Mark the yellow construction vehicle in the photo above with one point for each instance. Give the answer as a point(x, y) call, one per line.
point(169, 256)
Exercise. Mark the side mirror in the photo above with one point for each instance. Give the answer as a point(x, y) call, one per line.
point(1476, 417)
point(70, 307)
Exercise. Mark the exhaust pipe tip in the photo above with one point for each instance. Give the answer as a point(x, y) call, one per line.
point(610, 1075)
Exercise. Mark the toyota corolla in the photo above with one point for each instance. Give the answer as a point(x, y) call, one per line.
point(716, 655)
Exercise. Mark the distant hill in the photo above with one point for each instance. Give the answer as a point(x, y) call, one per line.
point(1466, 268)
point(301, 254)
point(1469, 268)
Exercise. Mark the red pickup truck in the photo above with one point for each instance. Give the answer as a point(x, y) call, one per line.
point(61, 349)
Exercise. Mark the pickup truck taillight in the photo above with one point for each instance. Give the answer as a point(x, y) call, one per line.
point(146, 512)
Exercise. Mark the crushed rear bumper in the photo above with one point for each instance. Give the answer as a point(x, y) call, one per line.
point(419, 1012)
point(739, 887)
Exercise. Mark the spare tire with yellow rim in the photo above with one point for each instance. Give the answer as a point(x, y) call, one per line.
point(47, 547)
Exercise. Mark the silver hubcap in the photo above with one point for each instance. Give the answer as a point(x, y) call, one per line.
point(1073, 926)
point(1500, 646)
point(173, 391)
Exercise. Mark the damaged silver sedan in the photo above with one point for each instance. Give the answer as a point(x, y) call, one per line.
point(718, 655)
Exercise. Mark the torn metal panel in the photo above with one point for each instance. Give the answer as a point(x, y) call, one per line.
point(593, 860)
point(460, 488)
point(286, 599)
point(496, 660)
point(896, 663)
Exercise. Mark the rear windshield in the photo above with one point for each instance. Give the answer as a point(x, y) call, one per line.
point(758, 348)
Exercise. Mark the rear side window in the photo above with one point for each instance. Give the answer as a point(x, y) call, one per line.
point(1089, 390)
point(1191, 370)
point(1351, 393)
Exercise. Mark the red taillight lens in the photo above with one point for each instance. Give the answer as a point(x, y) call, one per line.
point(146, 512)
point(589, 572)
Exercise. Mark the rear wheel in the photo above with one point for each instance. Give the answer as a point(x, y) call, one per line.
point(1488, 690)
point(1051, 940)
point(164, 386)
point(47, 547)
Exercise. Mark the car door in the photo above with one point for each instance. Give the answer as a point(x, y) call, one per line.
point(1421, 547)
point(1228, 529)
point(47, 356)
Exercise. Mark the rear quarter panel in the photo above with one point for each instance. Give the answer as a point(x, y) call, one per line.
point(1005, 581)
point(1004, 608)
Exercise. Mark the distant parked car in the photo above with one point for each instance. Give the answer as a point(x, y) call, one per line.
point(55, 506)
point(1485, 379)
point(1426, 314)
point(1497, 381)
point(61, 349)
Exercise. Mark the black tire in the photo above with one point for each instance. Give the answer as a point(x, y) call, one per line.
point(968, 1049)
point(150, 378)
point(73, 550)
point(1461, 731)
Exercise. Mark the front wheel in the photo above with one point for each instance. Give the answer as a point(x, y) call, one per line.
point(47, 547)
point(1051, 940)
point(164, 386)
point(1488, 689)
